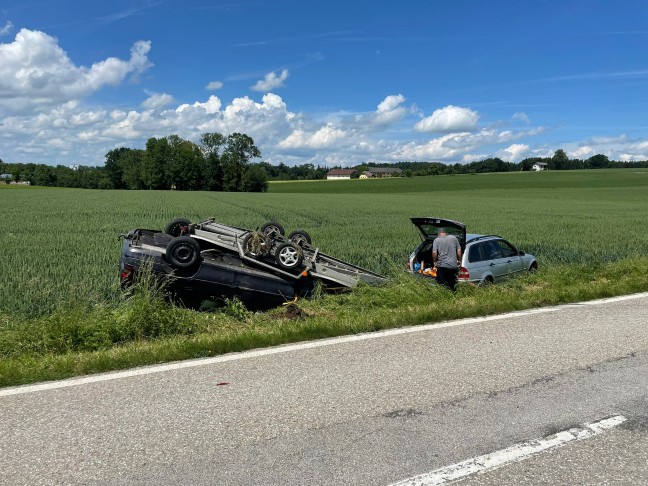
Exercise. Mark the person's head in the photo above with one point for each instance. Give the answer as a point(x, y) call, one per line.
point(442, 232)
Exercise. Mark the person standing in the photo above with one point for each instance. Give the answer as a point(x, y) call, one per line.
point(446, 254)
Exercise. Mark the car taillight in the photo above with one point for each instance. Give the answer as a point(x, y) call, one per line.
point(463, 273)
point(126, 272)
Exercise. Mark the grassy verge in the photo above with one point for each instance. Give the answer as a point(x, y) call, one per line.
point(83, 339)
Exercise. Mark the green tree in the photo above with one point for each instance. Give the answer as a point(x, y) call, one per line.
point(132, 162)
point(598, 161)
point(114, 167)
point(185, 167)
point(212, 145)
point(154, 165)
point(256, 179)
point(559, 160)
point(44, 176)
point(238, 152)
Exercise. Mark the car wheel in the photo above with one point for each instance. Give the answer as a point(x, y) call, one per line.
point(178, 227)
point(533, 268)
point(487, 281)
point(183, 252)
point(289, 256)
point(272, 229)
point(256, 244)
point(300, 238)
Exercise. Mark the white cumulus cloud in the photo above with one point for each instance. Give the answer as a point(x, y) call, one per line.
point(157, 100)
point(214, 85)
point(6, 30)
point(390, 110)
point(521, 116)
point(449, 119)
point(271, 81)
point(36, 72)
point(325, 137)
point(514, 152)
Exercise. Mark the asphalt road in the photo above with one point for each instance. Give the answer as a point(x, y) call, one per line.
point(368, 410)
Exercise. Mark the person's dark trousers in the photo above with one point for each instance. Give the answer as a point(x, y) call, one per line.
point(447, 277)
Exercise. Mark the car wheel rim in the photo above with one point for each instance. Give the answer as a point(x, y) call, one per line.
point(184, 254)
point(272, 231)
point(299, 240)
point(288, 256)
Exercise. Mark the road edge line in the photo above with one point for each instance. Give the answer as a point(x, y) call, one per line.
point(515, 453)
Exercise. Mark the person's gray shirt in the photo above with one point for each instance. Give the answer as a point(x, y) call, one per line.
point(446, 248)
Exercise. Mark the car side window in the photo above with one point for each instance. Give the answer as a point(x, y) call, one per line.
point(507, 249)
point(475, 253)
point(492, 250)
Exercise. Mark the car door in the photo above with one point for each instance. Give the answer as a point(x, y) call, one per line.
point(477, 266)
point(494, 259)
point(513, 260)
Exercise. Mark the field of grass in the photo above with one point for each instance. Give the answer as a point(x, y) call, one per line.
point(60, 256)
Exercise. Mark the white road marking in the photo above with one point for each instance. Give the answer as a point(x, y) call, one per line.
point(517, 452)
point(287, 348)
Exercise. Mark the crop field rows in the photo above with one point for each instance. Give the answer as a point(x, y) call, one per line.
point(60, 245)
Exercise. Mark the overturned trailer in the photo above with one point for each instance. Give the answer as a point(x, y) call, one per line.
point(212, 261)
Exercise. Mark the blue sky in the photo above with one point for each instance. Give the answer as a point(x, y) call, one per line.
point(329, 83)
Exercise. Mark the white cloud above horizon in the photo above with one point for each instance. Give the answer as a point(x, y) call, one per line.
point(271, 81)
point(7, 28)
point(37, 72)
point(214, 85)
point(46, 117)
point(157, 100)
point(449, 119)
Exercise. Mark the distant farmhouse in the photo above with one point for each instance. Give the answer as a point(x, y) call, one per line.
point(539, 166)
point(383, 172)
point(338, 174)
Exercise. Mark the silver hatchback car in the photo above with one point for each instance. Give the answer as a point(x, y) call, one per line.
point(485, 258)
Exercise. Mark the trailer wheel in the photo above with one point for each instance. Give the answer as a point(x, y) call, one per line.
point(273, 229)
point(289, 256)
point(300, 238)
point(183, 252)
point(178, 227)
point(256, 244)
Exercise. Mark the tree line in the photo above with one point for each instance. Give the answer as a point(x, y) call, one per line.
point(222, 163)
point(559, 161)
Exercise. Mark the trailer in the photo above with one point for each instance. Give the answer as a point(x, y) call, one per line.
point(210, 259)
point(267, 248)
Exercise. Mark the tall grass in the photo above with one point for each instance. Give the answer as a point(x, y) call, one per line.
point(62, 313)
point(145, 330)
point(60, 245)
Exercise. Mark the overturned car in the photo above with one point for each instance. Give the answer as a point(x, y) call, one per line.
point(212, 261)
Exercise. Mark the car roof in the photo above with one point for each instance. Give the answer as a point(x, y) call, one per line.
point(471, 237)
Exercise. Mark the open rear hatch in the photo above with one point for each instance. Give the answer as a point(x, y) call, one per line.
point(429, 229)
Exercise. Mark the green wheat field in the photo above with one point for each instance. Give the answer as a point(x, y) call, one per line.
point(60, 245)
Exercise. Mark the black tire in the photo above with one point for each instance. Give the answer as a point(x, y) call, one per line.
point(183, 252)
point(273, 229)
point(289, 256)
point(300, 238)
point(178, 227)
point(488, 281)
point(256, 244)
point(533, 268)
